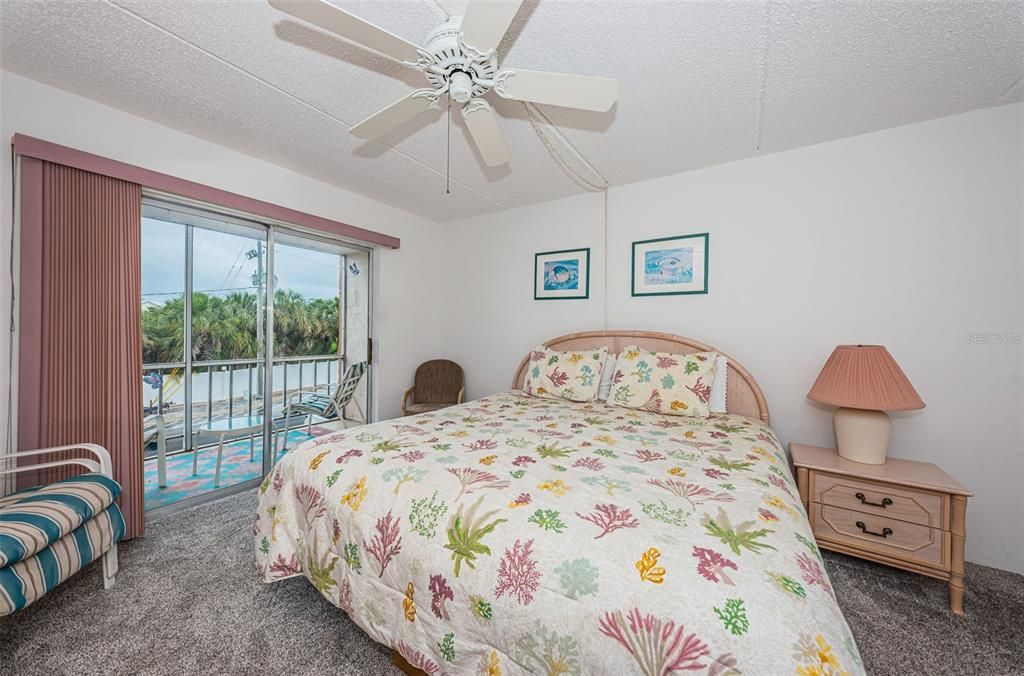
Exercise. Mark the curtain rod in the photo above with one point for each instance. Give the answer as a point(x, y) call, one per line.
point(29, 146)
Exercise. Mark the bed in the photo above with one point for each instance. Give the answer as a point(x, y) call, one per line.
point(515, 535)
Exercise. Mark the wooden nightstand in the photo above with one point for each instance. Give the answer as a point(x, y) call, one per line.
point(906, 514)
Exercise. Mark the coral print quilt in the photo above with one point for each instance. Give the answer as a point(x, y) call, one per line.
point(517, 535)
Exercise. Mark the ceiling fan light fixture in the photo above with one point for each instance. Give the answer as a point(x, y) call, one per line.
point(460, 86)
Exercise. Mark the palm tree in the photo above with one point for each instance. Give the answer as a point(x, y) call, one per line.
point(235, 322)
point(163, 336)
point(325, 314)
point(224, 327)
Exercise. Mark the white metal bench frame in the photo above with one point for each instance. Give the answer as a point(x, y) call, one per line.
point(101, 465)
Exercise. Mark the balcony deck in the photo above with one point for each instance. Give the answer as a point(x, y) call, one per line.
point(236, 467)
point(223, 389)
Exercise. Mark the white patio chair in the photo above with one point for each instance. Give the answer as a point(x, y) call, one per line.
point(310, 402)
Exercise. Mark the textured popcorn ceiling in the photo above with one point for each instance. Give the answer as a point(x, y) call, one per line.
point(702, 82)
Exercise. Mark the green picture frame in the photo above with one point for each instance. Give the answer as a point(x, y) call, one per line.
point(562, 275)
point(670, 266)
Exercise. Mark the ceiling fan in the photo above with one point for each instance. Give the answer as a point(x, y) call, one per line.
point(458, 60)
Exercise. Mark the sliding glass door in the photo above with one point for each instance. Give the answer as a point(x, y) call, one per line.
point(203, 318)
point(310, 354)
point(248, 331)
point(228, 316)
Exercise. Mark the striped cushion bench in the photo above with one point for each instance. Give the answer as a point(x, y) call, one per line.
point(29, 579)
point(36, 518)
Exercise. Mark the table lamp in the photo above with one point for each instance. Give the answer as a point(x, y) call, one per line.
point(864, 381)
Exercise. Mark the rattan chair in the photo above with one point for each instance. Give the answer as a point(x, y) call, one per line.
point(438, 383)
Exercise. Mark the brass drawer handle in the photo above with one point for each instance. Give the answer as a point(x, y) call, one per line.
point(864, 501)
point(886, 532)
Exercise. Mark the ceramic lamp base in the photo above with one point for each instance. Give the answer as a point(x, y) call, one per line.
point(862, 436)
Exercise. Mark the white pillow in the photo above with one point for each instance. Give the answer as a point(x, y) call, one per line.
point(718, 386)
point(604, 390)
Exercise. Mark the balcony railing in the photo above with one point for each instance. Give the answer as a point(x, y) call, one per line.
point(225, 388)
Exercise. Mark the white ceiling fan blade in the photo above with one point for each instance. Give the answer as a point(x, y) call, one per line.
point(485, 21)
point(483, 127)
point(348, 26)
point(557, 89)
point(398, 112)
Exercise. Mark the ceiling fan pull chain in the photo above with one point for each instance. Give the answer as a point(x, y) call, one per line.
point(448, 151)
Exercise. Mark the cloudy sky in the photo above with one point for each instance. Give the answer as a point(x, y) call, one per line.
point(221, 264)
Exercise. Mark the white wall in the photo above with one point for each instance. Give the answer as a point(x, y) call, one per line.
point(910, 237)
point(406, 321)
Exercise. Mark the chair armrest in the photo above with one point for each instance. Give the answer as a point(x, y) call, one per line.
point(405, 398)
point(462, 394)
point(103, 465)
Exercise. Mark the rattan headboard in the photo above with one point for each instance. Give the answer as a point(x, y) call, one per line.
point(744, 396)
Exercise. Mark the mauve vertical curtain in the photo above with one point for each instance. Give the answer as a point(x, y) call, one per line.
point(80, 341)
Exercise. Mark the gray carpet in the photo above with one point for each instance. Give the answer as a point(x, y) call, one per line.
point(187, 601)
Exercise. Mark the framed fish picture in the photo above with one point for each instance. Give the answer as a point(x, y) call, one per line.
point(671, 265)
point(561, 275)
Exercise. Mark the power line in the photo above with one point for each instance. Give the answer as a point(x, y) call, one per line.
point(283, 252)
point(181, 293)
point(231, 270)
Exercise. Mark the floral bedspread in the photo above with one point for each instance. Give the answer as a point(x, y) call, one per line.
point(516, 535)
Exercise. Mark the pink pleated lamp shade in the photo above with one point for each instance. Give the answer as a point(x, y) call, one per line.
point(865, 377)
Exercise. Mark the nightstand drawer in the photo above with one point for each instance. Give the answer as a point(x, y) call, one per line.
point(881, 535)
point(880, 499)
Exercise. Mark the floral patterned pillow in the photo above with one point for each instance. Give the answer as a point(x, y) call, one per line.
point(661, 382)
point(574, 375)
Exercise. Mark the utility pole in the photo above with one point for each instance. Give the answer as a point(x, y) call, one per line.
point(259, 280)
